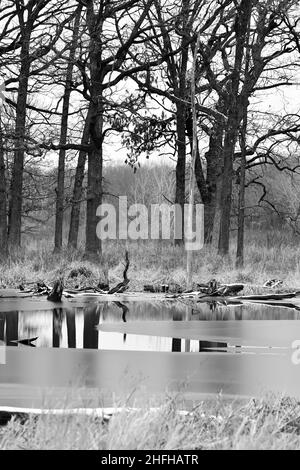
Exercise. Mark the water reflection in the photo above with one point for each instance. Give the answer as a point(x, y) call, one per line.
point(206, 336)
point(76, 328)
point(176, 342)
point(57, 319)
point(10, 324)
point(90, 333)
point(71, 329)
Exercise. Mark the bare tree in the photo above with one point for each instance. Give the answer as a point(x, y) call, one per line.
point(30, 17)
point(174, 30)
point(101, 65)
point(3, 201)
point(243, 16)
point(64, 134)
point(78, 186)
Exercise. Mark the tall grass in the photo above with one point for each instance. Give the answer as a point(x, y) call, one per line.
point(268, 423)
point(267, 255)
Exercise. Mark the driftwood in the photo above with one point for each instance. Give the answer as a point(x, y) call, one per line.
point(40, 288)
point(215, 289)
point(57, 291)
point(87, 289)
point(273, 283)
point(275, 300)
point(122, 286)
point(164, 288)
point(212, 288)
point(213, 292)
point(269, 296)
point(276, 303)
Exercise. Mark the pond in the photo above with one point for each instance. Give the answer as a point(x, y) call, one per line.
point(201, 350)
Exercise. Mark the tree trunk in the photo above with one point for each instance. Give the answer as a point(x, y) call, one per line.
point(217, 215)
point(94, 186)
point(195, 151)
point(208, 186)
point(226, 191)
point(3, 206)
point(60, 191)
point(71, 329)
point(15, 209)
point(234, 117)
point(241, 207)
point(78, 189)
point(199, 174)
point(90, 332)
point(95, 155)
point(181, 91)
point(214, 164)
point(180, 167)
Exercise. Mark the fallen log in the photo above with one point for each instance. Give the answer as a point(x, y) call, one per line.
point(164, 288)
point(83, 290)
point(215, 289)
point(119, 288)
point(276, 303)
point(283, 296)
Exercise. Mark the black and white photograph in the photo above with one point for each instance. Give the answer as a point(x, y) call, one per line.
point(149, 227)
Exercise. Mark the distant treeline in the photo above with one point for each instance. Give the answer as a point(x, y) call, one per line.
point(154, 185)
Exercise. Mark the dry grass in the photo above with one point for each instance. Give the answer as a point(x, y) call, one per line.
point(271, 255)
point(269, 423)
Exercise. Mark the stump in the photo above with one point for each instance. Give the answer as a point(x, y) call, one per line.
point(57, 291)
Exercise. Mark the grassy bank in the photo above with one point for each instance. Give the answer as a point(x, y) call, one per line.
point(269, 423)
point(271, 255)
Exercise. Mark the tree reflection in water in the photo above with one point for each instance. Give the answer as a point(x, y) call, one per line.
point(77, 327)
point(125, 310)
point(11, 330)
point(90, 333)
point(57, 320)
point(71, 329)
